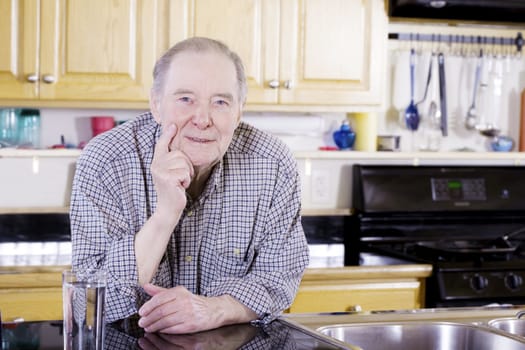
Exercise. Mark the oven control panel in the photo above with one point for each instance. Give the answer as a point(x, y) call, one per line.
point(481, 284)
point(386, 189)
point(447, 189)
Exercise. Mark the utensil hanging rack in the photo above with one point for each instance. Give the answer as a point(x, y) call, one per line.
point(517, 41)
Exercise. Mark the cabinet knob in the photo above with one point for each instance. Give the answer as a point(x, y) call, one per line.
point(274, 84)
point(32, 78)
point(354, 308)
point(48, 79)
point(288, 84)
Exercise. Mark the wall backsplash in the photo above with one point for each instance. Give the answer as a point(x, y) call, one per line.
point(300, 131)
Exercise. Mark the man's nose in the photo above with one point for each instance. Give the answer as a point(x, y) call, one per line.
point(202, 117)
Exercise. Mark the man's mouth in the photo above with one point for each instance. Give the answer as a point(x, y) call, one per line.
point(198, 139)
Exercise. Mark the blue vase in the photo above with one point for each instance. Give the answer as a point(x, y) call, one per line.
point(344, 138)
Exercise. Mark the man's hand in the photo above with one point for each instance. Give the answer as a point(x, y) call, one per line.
point(172, 173)
point(177, 310)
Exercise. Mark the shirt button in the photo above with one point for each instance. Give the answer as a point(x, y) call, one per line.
point(190, 213)
point(188, 258)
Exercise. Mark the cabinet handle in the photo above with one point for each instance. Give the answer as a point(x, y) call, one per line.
point(288, 84)
point(48, 79)
point(354, 308)
point(32, 78)
point(274, 84)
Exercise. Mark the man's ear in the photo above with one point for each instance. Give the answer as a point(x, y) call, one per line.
point(154, 105)
point(240, 115)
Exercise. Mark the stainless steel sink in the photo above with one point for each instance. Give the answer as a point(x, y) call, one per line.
point(422, 336)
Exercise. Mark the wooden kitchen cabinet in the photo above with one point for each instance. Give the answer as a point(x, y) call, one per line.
point(96, 50)
point(394, 287)
point(33, 295)
point(301, 53)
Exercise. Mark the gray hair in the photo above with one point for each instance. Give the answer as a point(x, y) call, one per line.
point(198, 44)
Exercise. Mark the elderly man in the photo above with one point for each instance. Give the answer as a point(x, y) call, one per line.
point(194, 214)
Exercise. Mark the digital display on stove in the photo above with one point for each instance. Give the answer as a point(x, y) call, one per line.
point(462, 189)
point(453, 184)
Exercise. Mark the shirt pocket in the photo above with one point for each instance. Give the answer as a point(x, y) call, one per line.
point(235, 254)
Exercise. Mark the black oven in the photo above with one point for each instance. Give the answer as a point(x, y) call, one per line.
point(467, 222)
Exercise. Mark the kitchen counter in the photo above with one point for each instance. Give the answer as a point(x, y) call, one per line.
point(127, 335)
point(294, 331)
point(477, 315)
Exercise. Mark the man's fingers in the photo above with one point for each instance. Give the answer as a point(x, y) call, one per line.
point(167, 135)
point(152, 289)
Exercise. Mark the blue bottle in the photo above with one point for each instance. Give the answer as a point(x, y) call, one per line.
point(344, 138)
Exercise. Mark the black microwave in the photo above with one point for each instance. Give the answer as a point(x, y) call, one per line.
point(459, 10)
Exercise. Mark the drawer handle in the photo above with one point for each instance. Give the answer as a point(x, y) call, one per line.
point(354, 308)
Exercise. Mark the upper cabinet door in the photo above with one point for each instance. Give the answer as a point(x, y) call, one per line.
point(332, 52)
point(18, 44)
point(250, 28)
point(98, 50)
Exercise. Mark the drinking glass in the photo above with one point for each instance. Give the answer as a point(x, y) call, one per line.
point(84, 309)
point(29, 128)
point(9, 127)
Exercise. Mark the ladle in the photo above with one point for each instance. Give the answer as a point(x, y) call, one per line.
point(411, 114)
point(470, 121)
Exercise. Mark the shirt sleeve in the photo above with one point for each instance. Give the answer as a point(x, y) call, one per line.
point(279, 263)
point(101, 238)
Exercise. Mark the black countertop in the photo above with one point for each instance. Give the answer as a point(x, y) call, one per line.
point(127, 335)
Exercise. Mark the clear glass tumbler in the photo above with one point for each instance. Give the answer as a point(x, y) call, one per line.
point(83, 298)
point(9, 127)
point(29, 128)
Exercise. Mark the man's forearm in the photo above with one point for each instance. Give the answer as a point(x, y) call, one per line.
point(229, 310)
point(150, 245)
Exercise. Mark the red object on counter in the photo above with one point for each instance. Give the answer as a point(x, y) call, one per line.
point(328, 148)
point(99, 124)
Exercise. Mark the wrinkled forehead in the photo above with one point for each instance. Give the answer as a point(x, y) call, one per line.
point(207, 68)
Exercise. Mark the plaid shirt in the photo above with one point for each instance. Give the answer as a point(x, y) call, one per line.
point(243, 236)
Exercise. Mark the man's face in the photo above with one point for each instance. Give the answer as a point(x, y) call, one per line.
point(200, 96)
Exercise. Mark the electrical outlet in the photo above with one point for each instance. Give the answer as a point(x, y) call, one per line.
point(320, 186)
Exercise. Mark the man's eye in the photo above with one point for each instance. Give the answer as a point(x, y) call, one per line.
point(184, 99)
point(221, 103)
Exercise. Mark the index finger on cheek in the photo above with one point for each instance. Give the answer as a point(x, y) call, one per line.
point(166, 136)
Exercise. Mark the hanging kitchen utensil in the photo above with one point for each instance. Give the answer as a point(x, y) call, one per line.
point(427, 83)
point(434, 110)
point(442, 93)
point(411, 114)
point(471, 119)
point(401, 84)
point(491, 81)
point(522, 122)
